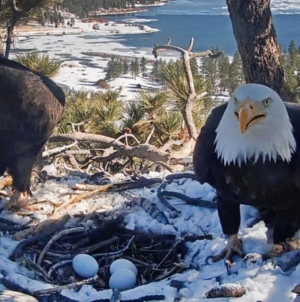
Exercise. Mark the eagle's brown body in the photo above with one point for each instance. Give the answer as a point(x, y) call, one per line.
point(31, 105)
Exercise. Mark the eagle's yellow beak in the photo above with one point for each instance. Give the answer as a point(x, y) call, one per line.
point(250, 113)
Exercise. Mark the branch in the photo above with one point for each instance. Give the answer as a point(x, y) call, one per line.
point(157, 49)
point(187, 55)
point(12, 4)
point(149, 136)
point(57, 150)
point(142, 151)
point(14, 7)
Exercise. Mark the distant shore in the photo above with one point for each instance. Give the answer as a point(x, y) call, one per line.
point(123, 11)
point(118, 12)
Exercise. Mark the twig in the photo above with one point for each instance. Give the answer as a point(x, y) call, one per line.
point(42, 231)
point(115, 253)
point(171, 249)
point(36, 267)
point(48, 291)
point(81, 197)
point(163, 200)
point(55, 266)
point(128, 135)
point(74, 125)
point(150, 135)
point(57, 150)
point(55, 238)
point(199, 202)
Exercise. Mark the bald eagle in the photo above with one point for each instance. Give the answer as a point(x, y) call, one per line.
point(248, 150)
point(31, 105)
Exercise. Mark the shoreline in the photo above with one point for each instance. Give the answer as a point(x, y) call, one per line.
point(137, 9)
point(125, 12)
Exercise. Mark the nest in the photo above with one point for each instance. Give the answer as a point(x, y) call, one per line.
point(156, 256)
point(51, 245)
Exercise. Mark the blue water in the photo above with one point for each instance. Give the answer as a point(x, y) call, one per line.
point(208, 22)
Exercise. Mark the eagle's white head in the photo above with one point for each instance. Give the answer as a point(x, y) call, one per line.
point(254, 125)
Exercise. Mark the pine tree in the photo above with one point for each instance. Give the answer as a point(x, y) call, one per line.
point(113, 69)
point(155, 68)
point(132, 68)
point(135, 67)
point(143, 66)
point(119, 67)
point(293, 54)
point(125, 67)
point(291, 66)
point(223, 72)
point(236, 74)
point(194, 67)
point(210, 71)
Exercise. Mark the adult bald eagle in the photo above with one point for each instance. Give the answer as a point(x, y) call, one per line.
point(248, 150)
point(31, 105)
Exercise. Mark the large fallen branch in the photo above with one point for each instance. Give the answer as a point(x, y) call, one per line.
point(119, 149)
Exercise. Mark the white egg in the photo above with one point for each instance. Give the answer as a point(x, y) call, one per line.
point(122, 279)
point(85, 265)
point(122, 263)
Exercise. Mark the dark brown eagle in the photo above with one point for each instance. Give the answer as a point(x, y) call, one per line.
point(249, 151)
point(31, 106)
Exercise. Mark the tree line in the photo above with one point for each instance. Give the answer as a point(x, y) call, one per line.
point(222, 75)
point(83, 8)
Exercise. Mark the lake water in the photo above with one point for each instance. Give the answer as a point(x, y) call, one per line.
point(208, 22)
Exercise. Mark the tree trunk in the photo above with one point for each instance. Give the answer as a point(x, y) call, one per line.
point(9, 39)
point(187, 115)
point(43, 21)
point(256, 39)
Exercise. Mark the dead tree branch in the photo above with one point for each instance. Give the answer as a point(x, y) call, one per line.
point(187, 55)
point(57, 150)
point(119, 149)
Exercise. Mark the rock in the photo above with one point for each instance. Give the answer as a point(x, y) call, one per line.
point(12, 296)
point(102, 84)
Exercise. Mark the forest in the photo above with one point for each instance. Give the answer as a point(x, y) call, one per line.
point(83, 8)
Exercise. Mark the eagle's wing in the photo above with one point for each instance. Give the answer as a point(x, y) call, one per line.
point(294, 115)
point(30, 103)
point(204, 151)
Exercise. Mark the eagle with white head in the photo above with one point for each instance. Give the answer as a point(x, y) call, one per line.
point(248, 150)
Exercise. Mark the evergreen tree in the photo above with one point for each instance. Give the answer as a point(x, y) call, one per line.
point(223, 72)
point(194, 67)
point(135, 68)
point(293, 54)
point(143, 66)
point(125, 67)
point(291, 66)
point(132, 68)
point(113, 69)
point(236, 74)
point(119, 67)
point(210, 71)
point(155, 69)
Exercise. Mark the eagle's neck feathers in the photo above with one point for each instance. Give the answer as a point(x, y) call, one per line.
point(272, 139)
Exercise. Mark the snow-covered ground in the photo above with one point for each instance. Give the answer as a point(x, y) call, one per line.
point(81, 71)
point(263, 280)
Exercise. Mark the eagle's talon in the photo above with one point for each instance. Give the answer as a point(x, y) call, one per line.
point(18, 200)
point(234, 247)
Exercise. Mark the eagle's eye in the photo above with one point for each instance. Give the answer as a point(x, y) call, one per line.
point(266, 102)
point(235, 100)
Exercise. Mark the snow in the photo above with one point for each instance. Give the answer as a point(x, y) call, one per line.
point(263, 280)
